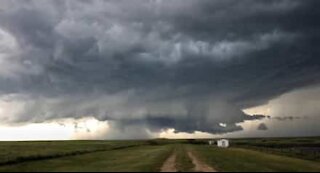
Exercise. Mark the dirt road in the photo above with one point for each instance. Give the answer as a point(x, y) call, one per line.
point(170, 164)
point(198, 165)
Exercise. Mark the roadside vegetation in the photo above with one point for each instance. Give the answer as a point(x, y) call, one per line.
point(303, 148)
point(17, 152)
point(184, 163)
point(239, 159)
point(140, 158)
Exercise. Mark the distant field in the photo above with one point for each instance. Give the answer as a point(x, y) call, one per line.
point(273, 154)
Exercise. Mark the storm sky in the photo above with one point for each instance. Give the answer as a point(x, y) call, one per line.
point(147, 67)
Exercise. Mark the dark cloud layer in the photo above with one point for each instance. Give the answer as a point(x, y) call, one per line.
point(188, 65)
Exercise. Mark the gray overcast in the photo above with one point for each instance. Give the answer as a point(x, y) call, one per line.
point(150, 65)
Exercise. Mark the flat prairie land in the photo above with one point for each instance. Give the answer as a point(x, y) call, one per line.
point(146, 158)
point(239, 159)
point(255, 155)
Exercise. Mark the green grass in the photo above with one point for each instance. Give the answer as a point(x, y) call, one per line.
point(295, 152)
point(278, 142)
point(15, 152)
point(141, 158)
point(183, 162)
point(307, 148)
point(236, 159)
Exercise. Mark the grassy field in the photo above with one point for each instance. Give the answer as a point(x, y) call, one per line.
point(16, 152)
point(304, 148)
point(244, 155)
point(140, 158)
point(238, 159)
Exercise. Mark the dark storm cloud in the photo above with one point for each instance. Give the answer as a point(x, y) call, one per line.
point(262, 126)
point(188, 65)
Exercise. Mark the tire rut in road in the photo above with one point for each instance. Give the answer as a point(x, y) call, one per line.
point(170, 164)
point(200, 166)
